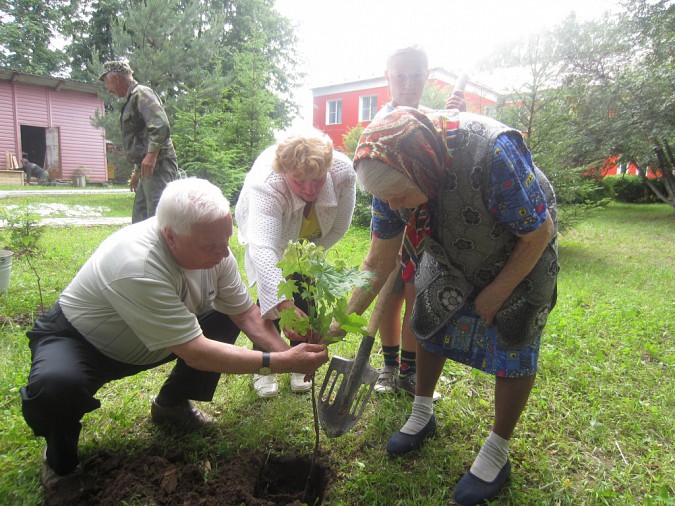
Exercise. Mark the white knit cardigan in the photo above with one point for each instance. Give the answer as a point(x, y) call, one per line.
point(269, 215)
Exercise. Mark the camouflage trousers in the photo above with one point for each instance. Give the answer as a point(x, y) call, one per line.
point(149, 189)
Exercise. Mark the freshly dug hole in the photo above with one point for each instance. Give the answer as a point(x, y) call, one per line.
point(282, 480)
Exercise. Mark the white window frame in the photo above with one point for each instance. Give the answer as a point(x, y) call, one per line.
point(372, 107)
point(331, 114)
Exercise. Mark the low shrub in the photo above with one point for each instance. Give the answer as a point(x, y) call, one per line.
point(631, 189)
point(572, 187)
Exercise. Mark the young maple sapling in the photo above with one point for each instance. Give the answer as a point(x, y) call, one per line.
point(325, 286)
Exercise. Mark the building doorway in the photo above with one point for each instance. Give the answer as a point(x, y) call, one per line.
point(41, 146)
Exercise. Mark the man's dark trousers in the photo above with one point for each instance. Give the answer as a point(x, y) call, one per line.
point(67, 371)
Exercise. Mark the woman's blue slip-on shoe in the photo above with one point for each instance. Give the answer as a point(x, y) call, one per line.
point(472, 490)
point(400, 443)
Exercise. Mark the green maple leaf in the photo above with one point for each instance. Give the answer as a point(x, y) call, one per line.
point(333, 281)
point(287, 289)
point(326, 286)
point(288, 319)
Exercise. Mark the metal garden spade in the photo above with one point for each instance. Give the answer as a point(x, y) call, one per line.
point(348, 384)
point(346, 390)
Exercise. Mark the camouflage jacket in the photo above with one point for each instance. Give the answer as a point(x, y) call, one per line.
point(145, 127)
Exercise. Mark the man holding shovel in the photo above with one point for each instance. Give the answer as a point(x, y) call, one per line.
point(163, 290)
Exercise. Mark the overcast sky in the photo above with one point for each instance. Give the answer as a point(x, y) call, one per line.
point(345, 40)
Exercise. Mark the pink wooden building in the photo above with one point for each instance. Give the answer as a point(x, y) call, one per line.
point(340, 107)
point(49, 119)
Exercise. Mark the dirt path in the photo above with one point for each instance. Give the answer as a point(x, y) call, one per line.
point(70, 221)
point(32, 193)
point(62, 222)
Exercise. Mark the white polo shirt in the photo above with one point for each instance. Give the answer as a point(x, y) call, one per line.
point(133, 302)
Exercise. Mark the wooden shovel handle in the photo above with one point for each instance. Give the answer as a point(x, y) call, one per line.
point(382, 301)
point(460, 84)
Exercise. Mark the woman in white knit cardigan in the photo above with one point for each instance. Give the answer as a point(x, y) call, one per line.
point(299, 188)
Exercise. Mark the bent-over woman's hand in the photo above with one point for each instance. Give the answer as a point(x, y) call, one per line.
point(488, 302)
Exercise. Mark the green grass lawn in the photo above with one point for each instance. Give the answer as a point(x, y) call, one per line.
point(599, 428)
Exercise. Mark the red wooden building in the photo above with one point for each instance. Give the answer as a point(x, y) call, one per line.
point(337, 108)
point(613, 166)
point(49, 119)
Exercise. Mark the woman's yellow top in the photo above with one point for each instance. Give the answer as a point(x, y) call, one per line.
point(310, 228)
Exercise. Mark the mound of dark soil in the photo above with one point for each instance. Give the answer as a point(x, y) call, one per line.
point(156, 478)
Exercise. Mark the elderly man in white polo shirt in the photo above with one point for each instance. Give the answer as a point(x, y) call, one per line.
point(162, 290)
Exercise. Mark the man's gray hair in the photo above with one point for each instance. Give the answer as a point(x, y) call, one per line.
point(417, 52)
point(378, 178)
point(188, 201)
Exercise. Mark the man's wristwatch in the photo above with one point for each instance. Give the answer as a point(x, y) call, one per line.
point(265, 369)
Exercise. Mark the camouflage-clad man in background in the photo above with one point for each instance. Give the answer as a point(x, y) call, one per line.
point(146, 135)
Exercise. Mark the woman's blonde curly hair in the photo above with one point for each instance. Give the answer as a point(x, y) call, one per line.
point(308, 156)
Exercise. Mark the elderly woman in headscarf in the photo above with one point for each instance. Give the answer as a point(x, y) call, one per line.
point(478, 220)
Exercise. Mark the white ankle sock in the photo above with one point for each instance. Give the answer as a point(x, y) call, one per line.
point(491, 458)
point(423, 408)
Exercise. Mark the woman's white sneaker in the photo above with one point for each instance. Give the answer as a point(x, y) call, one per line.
point(266, 386)
point(298, 383)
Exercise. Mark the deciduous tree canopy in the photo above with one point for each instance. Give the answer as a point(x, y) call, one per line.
point(225, 69)
point(601, 88)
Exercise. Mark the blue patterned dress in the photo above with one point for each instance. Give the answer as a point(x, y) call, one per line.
point(516, 200)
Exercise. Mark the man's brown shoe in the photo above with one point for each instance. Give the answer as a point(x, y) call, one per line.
point(184, 414)
point(50, 478)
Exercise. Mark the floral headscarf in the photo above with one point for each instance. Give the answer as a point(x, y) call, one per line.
point(416, 145)
point(411, 143)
